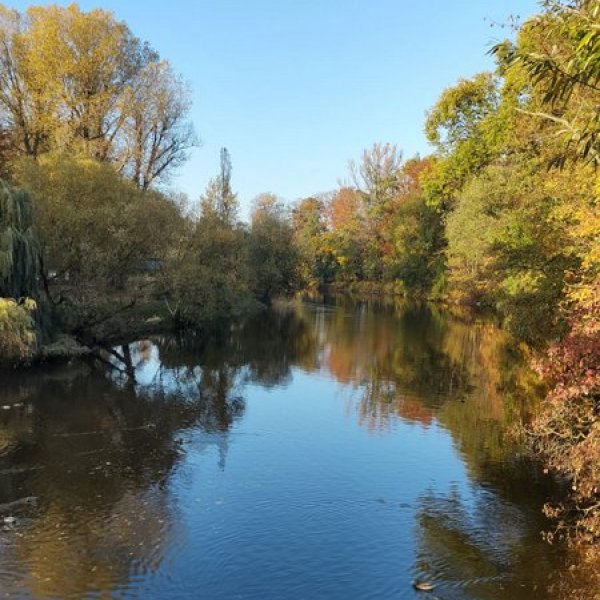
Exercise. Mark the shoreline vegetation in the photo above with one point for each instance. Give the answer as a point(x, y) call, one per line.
point(503, 216)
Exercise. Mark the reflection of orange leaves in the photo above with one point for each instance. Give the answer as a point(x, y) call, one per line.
point(339, 367)
point(342, 362)
point(350, 360)
point(413, 410)
point(145, 350)
point(378, 414)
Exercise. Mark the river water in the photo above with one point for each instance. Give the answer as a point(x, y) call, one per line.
point(324, 449)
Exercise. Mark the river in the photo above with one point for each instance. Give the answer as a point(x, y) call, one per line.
point(324, 449)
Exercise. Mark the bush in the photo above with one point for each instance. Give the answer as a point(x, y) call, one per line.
point(18, 337)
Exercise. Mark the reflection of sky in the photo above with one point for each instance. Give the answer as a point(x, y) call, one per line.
point(310, 504)
point(339, 476)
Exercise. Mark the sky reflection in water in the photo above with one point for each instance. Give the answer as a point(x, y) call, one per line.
point(321, 450)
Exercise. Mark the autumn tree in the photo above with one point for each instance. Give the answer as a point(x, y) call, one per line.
point(19, 262)
point(557, 54)
point(157, 132)
point(312, 239)
point(412, 233)
point(206, 281)
point(559, 51)
point(98, 232)
point(460, 128)
point(347, 236)
point(82, 82)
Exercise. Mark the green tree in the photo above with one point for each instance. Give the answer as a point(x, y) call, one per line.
point(218, 199)
point(98, 233)
point(206, 281)
point(19, 267)
point(559, 51)
point(272, 256)
point(463, 128)
point(18, 335)
point(317, 261)
point(378, 179)
point(19, 246)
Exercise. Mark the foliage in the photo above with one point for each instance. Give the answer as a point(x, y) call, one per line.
point(316, 261)
point(413, 233)
point(559, 50)
point(19, 247)
point(206, 282)
point(567, 430)
point(82, 82)
point(507, 248)
point(219, 200)
point(18, 338)
point(463, 127)
point(380, 230)
point(91, 118)
point(524, 238)
point(272, 256)
point(98, 232)
point(219, 269)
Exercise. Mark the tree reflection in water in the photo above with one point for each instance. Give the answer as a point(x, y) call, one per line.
point(98, 450)
point(86, 456)
point(475, 546)
point(95, 457)
point(424, 366)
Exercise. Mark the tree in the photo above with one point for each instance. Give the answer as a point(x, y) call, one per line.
point(557, 59)
point(206, 282)
point(377, 180)
point(378, 176)
point(463, 127)
point(158, 132)
point(18, 335)
point(219, 199)
point(19, 264)
point(19, 246)
point(346, 235)
point(82, 82)
point(317, 261)
point(272, 256)
point(98, 233)
point(559, 50)
point(413, 234)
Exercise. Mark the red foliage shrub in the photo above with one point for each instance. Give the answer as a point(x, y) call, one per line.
point(566, 432)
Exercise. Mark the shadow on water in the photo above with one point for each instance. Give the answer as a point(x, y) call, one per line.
point(85, 463)
point(88, 456)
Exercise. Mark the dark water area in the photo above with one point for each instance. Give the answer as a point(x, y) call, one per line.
point(320, 450)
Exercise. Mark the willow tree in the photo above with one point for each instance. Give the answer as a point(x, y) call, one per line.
point(19, 248)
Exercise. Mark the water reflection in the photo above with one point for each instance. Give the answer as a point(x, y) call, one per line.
point(95, 454)
point(481, 547)
point(102, 475)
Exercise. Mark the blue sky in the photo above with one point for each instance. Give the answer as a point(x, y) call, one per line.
point(296, 88)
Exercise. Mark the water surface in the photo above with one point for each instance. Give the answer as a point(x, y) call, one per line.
point(321, 450)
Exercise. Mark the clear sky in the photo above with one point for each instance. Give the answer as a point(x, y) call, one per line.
point(296, 88)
